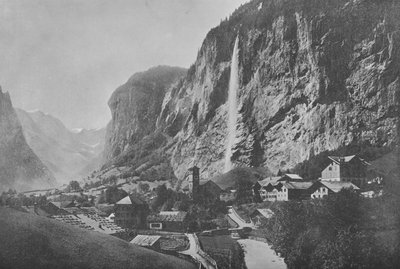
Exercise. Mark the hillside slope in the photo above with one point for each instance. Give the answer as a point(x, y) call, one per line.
point(20, 168)
point(30, 241)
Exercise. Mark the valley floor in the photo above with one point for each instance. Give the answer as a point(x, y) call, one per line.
point(259, 255)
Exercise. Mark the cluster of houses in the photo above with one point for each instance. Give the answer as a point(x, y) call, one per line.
point(349, 172)
point(133, 212)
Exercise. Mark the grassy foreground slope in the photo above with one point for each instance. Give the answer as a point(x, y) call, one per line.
point(30, 241)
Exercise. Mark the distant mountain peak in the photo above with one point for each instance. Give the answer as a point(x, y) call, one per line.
point(20, 167)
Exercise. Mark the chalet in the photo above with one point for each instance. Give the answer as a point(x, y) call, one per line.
point(270, 192)
point(147, 241)
point(260, 215)
point(49, 209)
point(209, 192)
point(259, 185)
point(294, 191)
point(321, 189)
point(172, 221)
point(131, 212)
point(271, 189)
point(346, 169)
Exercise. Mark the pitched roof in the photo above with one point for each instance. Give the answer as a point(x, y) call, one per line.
point(265, 212)
point(336, 186)
point(297, 185)
point(268, 180)
point(346, 159)
point(145, 240)
point(293, 176)
point(131, 199)
point(177, 216)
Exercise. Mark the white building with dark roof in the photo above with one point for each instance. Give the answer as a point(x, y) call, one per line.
point(346, 169)
point(321, 189)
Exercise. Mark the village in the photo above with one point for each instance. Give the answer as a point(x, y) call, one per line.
point(201, 222)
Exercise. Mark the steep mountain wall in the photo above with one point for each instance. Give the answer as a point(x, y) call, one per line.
point(315, 75)
point(20, 168)
point(133, 145)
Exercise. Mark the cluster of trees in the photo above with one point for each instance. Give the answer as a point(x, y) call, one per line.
point(339, 231)
point(312, 168)
point(73, 186)
point(11, 198)
point(166, 199)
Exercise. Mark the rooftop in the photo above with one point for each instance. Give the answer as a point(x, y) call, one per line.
point(346, 159)
point(297, 185)
point(266, 212)
point(293, 176)
point(177, 216)
point(131, 199)
point(336, 186)
point(145, 240)
point(268, 180)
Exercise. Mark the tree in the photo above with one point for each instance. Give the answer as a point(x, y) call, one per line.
point(73, 186)
point(144, 187)
point(243, 191)
point(162, 196)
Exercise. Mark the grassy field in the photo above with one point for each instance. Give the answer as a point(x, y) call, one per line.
point(30, 241)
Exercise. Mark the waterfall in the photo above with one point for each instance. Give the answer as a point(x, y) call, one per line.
point(232, 105)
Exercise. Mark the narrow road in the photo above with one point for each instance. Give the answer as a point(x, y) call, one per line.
point(259, 255)
point(236, 218)
point(198, 254)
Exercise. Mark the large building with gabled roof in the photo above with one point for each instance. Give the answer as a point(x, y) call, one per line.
point(346, 169)
point(131, 212)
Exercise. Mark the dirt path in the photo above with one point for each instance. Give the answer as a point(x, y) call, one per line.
point(198, 254)
point(259, 255)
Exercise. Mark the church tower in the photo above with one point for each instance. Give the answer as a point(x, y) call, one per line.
point(195, 183)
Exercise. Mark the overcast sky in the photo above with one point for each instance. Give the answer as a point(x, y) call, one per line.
point(66, 57)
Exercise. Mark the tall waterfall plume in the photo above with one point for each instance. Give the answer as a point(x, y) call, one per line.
point(232, 105)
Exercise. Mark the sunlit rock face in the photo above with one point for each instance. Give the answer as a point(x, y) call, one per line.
point(313, 76)
point(20, 168)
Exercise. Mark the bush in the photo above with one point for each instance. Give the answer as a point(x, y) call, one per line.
point(334, 232)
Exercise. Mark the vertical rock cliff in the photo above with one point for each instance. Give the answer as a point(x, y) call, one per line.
point(315, 75)
point(131, 136)
point(20, 168)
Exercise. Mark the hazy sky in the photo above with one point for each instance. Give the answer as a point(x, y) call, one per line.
point(66, 57)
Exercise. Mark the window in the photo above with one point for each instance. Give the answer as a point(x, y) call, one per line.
point(330, 168)
point(156, 226)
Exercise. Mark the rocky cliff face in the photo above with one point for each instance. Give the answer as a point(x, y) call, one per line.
point(315, 75)
point(65, 153)
point(135, 107)
point(20, 168)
